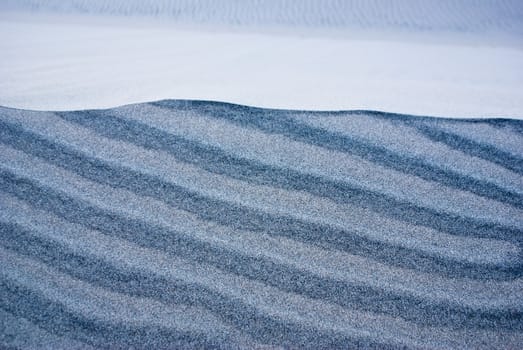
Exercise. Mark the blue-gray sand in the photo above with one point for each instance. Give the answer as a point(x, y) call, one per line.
point(196, 224)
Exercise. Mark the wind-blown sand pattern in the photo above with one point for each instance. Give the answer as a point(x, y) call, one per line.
point(448, 15)
point(190, 224)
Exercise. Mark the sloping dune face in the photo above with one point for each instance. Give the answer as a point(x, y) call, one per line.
point(191, 224)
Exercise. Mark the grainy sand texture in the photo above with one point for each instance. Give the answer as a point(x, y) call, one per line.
point(193, 224)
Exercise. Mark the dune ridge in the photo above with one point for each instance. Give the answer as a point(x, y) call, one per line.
point(183, 223)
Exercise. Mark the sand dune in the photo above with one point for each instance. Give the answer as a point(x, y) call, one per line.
point(329, 216)
point(205, 224)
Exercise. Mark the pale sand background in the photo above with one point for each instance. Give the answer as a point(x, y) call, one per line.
point(444, 58)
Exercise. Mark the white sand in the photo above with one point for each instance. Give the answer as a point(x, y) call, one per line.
point(60, 58)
